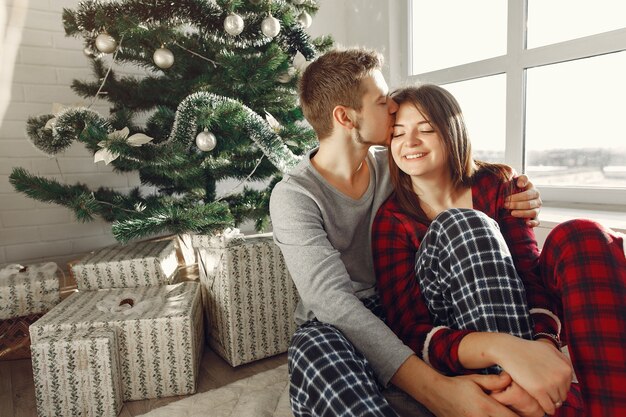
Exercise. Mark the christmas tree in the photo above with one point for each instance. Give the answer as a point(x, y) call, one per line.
point(221, 103)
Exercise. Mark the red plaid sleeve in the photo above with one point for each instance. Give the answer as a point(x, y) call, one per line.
point(395, 239)
point(521, 241)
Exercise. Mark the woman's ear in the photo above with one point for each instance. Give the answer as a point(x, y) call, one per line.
point(344, 116)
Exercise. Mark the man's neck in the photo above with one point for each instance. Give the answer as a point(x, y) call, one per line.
point(343, 164)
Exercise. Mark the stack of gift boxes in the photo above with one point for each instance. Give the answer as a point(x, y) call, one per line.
point(131, 332)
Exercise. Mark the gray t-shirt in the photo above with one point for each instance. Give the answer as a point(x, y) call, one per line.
point(325, 237)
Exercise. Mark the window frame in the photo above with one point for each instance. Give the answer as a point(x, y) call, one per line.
point(514, 64)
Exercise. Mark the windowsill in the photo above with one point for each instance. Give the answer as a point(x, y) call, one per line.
point(550, 216)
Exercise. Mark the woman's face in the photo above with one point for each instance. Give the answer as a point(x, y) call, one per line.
point(415, 145)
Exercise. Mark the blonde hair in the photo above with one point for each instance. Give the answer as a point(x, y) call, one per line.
point(334, 79)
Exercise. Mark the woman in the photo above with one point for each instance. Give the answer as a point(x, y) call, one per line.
point(456, 295)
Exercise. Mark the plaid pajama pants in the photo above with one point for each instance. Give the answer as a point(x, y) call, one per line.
point(584, 267)
point(467, 276)
point(330, 378)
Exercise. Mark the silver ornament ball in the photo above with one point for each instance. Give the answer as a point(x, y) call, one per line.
point(163, 58)
point(305, 20)
point(270, 26)
point(106, 43)
point(233, 24)
point(206, 141)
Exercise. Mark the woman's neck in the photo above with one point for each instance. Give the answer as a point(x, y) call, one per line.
point(440, 194)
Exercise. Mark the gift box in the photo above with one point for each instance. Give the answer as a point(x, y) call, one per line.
point(141, 264)
point(14, 337)
point(26, 290)
point(76, 373)
point(249, 297)
point(159, 330)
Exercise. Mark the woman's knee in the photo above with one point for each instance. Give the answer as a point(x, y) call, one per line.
point(577, 233)
point(464, 218)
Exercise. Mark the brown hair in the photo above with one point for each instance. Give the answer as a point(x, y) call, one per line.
point(443, 112)
point(335, 79)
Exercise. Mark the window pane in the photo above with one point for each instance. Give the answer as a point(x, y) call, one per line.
point(561, 20)
point(483, 102)
point(574, 122)
point(447, 33)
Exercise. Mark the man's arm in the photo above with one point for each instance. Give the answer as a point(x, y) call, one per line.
point(323, 282)
point(526, 204)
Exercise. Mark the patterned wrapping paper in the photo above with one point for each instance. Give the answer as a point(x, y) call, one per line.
point(160, 338)
point(127, 266)
point(33, 291)
point(249, 299)
point(77, 373)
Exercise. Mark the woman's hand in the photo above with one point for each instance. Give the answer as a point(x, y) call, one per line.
point(538, 367)
point(527, 203)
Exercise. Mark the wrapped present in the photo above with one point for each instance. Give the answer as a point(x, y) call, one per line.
point(139, 264)
point(159, 330)
point(26, 290)
point(249, 297)
point(77, 373)
point(14, 337)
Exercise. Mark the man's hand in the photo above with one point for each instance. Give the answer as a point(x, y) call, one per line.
point(518, 400)
point(467, 396)
point(527, 203)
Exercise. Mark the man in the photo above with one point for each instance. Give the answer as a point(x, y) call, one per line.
point(343, 353)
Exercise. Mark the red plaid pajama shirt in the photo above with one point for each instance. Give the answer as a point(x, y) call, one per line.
point(580, 277)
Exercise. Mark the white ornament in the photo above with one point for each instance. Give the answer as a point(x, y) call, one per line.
point(106, 43)
point(233, 24)
point(163, 58)
point(206, 141)
point(305, 20)
point(270, 26)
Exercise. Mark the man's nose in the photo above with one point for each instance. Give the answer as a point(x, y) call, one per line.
point(392, 105)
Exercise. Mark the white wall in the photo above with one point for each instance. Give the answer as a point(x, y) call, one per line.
point(46, 64)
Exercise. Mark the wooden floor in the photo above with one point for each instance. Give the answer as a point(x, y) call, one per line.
point(17, 391)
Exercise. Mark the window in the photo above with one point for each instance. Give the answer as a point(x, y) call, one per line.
point(541, 85)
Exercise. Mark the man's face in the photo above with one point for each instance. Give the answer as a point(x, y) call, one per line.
point(374, 123)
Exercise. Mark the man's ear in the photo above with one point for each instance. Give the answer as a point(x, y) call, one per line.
point(344, 116)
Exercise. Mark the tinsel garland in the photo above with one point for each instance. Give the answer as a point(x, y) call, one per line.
point(186, 127)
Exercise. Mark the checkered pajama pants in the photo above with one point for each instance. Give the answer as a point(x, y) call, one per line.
point(467, 276)
point(329, 377)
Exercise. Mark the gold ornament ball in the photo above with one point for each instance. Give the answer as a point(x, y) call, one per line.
point(270, 26)
point(106, 43)
point(163, 58)
point(305, 20)
point(206, 141)
point(233, 24)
